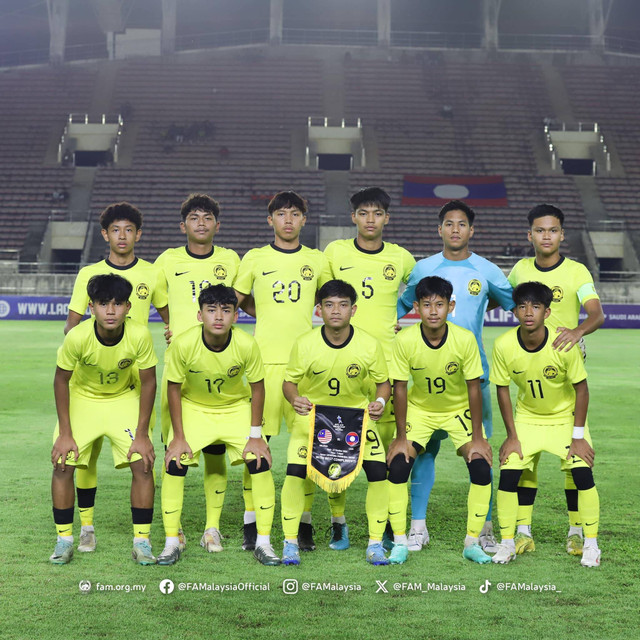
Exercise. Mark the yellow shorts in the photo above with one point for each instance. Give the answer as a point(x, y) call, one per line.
point(276, 406)
point(422, 425)
point(299, 442)
point(165, 416)
point(91, 419)
point(221, 425)
point(553, 438)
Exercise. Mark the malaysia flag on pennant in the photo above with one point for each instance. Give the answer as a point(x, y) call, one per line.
point(476, 191)
point(324, 436)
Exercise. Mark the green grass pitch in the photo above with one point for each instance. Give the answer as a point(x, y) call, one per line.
point(38, 600)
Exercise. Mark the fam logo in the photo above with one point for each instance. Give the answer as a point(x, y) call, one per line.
point(353, 370)
point(409, 427)
point(220, 272)
point(302, 452)
point(550, 372)
point(558, 294)
point(334, 470)
point(306, 272)
point(352, 438)
point(324, 436)
point(142, 291)
point(233, 371)
point(474, 287)
point(451, 368)
point(124, 363)
point(389, 272)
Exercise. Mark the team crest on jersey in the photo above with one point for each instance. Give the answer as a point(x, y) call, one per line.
point(142, 291)
point(474, 287)
point(550, 372)
point(302, 452)
point(353, 370)
point(334, 470)
point(408, 427)
point(233, 371)
point(451, 368)
point(558, 294)
point(220, 272)
point(389, 272)
point(306, 272)
point(124, 363)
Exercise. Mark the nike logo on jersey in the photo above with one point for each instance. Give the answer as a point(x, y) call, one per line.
point(518, 372)
point(268, 273)
point(345, 268)
point(317, 373)
point(380, 521)
point(180, 273)
point(417, 368)
point(174, 511)
point(590, 524)
point(219, 492)
point(293, 518)
point(480, 515)
point(192, 371)
point(266, 508)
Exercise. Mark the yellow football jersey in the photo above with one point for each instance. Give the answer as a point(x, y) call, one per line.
point(545, 377)
point(186, 274)
point(214, 378)
point(145, 278)
point(570, 281)
point(332, 375)
point(105, 371)
point(284, 284)
point(440, 373)
point(376, 276)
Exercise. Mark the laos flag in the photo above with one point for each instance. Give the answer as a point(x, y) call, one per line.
point(476, 191)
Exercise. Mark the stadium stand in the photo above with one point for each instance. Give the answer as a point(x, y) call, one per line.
point(246, 153)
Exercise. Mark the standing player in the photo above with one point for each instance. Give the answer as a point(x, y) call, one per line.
point(105, 385)
point(375, 269)
point(187, 271)
point(443, 361)
point(335, 365)
point(476, 283)
point(121, 228)
point(551, 415)
point(284, 276)
point(210, 402)
point(572, 286)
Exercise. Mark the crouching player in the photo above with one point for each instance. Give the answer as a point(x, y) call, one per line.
point(551, 414)
point(335, 365)
point(210, 403)
point(97, 395)
point(443, 361)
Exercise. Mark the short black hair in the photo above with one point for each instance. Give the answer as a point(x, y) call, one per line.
point(434, 286)
point(457, 205)
point(337, 289)
point(217, 294)
point(370, 195)
point(534, 292)
point(287, 200)
point(199, 202)
point(541, 210)
point(120, 211)
point(109, 286)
